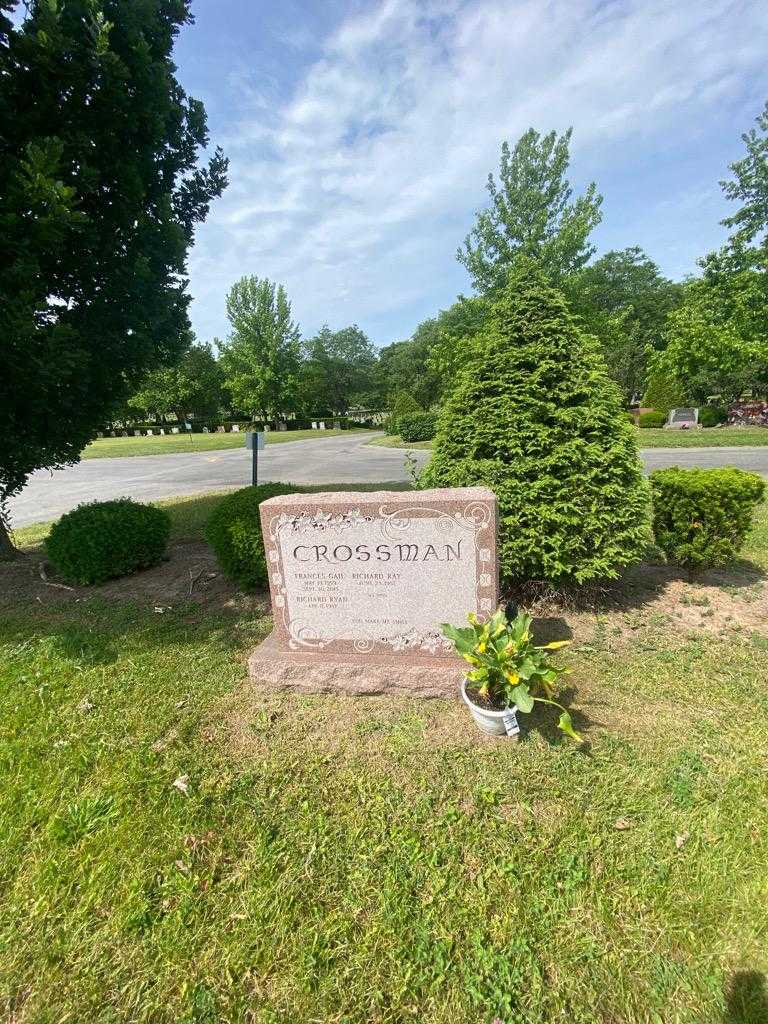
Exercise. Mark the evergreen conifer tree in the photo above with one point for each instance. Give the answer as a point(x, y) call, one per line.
point(535, 417)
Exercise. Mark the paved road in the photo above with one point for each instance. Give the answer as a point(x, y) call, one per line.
point(341, 459)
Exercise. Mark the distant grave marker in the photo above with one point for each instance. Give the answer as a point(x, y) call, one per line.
point(682, 419)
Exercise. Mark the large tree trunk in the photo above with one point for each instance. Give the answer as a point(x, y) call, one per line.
point(7, 550)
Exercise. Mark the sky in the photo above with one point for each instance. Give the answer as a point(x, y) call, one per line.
point(360, 135)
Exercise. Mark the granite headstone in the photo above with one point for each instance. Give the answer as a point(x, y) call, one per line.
point(360, 584)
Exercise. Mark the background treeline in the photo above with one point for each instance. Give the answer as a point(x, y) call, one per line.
point(665, 342)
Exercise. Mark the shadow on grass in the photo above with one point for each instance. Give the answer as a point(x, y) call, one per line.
point(544, 718)
point(746, 999)
point(636, 588)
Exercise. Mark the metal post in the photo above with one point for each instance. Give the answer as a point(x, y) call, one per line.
point(255, 464)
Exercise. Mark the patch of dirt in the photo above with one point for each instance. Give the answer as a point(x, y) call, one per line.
point(190, 573)
point(654, 596)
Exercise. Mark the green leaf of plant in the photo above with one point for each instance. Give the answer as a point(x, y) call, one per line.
point(526, 669)
point(566, 725)
point(522, 698)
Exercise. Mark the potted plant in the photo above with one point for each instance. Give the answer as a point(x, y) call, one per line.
point(509, 672)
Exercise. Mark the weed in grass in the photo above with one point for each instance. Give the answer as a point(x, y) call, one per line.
point(684, 777)
point(82, 818)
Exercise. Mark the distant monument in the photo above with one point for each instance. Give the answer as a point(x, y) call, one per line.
point(682, 419)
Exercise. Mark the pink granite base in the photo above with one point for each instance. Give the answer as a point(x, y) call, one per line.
point(272, 667)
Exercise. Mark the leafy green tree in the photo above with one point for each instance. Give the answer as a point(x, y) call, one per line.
point(531, 214)
point(100, 195)
point(535, 417)
point(625, 300)
point(457, 326)
point(716, 341)
point(663, 393)
point(338, 370)
point(405, 365)
point(402, 403)
point(750, 186)
point(194, 387)
point(261, 358)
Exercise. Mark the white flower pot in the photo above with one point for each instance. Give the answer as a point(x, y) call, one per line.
point(494, 723)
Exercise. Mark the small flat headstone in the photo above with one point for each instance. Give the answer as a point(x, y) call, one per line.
point(682, 418)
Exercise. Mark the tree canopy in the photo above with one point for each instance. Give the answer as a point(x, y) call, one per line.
point(338, 370)
point(194, 386)
point(625, 300)
point(531, 213)
point(716, 340)
point(261, 357)
point(749, 186)
point(101, 194)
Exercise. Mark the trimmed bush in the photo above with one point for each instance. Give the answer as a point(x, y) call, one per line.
point(234, 533)
point(701, 517)
point(104, 539)
point(535, 417)
point(403, 404)
point(663, 393)
point(419, 426)
point(712, 416)
point(651, 420)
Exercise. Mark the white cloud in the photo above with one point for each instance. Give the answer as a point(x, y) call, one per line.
point(356, 190)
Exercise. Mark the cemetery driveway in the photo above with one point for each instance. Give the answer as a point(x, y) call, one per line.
point(340, 459)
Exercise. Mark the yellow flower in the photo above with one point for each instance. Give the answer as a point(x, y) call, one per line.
point(481, 647)
point(512, 677)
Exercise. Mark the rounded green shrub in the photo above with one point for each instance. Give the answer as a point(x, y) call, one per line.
point(418, 426)
point(402, 404)
point(234, 532)
point(652, 420)
point(535, 417)
point(712, 415)
point(701, 517)
point(104, 539)
point(663, 393)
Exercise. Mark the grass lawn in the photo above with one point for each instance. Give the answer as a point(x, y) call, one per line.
point(395, 441)
point(178, 846)
point(118, 447)
point(715, 437)
point(712, 437)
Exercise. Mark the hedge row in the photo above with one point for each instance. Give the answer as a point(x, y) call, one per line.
point(701, 518)
point(418, 426)
point(651, 420)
